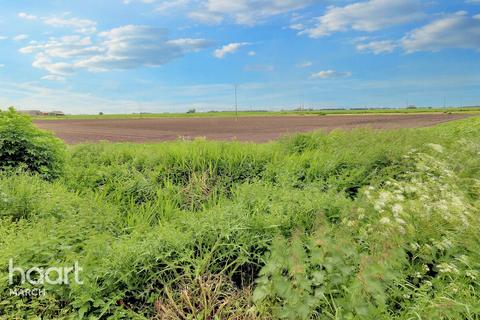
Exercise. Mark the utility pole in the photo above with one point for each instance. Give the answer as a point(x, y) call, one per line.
point(236, 103)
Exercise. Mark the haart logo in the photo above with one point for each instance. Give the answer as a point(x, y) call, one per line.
point(39, 276)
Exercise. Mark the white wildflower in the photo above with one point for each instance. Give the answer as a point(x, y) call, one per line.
point(436, 147)
point(448, 268)
point(472, 274)
point(385, 220)
point(415, 246)
point(397, 209)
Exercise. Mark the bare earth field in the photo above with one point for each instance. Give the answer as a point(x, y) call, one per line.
point(254, 129)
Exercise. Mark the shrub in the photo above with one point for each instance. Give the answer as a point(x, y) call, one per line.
point(22, 146)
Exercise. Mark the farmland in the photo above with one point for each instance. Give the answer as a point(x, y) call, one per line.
point(245, 128)
point(344, 224)
point(265, 113)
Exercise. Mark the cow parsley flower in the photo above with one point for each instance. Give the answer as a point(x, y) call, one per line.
point(385, 220)
point(397, 209)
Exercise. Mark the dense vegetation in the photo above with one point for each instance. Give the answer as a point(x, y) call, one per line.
point(22, 146)
point(348, 225)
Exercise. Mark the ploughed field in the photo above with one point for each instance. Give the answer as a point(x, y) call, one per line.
point(253, 129)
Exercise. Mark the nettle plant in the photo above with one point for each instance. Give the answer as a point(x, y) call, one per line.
point(24, 147)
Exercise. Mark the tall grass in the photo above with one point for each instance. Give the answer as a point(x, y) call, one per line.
point(347, 225)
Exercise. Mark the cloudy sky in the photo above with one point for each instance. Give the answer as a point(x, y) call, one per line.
point(122, 56)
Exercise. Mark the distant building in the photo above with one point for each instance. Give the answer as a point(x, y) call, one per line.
point(36, 113)
point(56, 113)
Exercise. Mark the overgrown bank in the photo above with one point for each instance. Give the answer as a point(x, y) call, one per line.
point(347, 225)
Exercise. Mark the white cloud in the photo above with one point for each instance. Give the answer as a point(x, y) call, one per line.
point(20, 37)
point(3, 38)
point(53, 77)
point(366, 16)
point(27, 16)
point(2, 66)
point(80, 25)
point(169, 5)
point(126, 47)
point(43, 61)
point(328, 74)
point(297, 26)
point(133, 46)
point(473, 1)
point(457, 30)
point(63, 21)
point(305, 64)
point(206, 17)
point(252, 53)
point(163, 5)
point(244, 12)
point(64, 47)
point(378, 47)
point(229, 49)
point(189, 44)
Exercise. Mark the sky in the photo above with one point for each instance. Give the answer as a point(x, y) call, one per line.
point(130, 56)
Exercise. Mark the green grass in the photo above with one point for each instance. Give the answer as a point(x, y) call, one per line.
point(227, 114)
point(361, 224)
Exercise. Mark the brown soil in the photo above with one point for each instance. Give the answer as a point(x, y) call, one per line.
point(255, 129)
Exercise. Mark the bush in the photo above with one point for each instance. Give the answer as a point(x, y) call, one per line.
point(24, 147)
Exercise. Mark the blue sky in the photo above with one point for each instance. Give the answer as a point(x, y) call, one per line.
point(123, 56)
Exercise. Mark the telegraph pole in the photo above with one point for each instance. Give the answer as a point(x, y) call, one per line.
point(236, 103)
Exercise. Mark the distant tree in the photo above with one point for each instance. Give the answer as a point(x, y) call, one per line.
point(100, 113)
point(192, 111)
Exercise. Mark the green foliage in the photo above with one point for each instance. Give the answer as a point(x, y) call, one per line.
point(346, 225)
point(303, 276)
point(24, 147)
